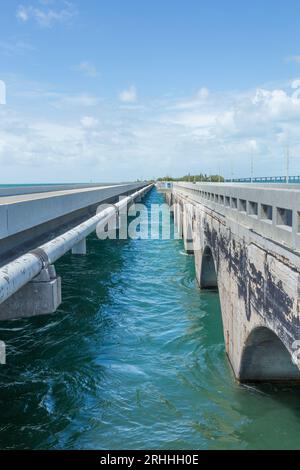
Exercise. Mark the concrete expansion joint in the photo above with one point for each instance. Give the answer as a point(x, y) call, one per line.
point(42, 256)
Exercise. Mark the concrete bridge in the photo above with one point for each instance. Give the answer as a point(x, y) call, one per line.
point(246, 243)
point(38, 225)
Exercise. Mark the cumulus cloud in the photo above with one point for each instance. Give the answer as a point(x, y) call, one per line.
point(46, 16)
point(278, 104)
point(129, 95)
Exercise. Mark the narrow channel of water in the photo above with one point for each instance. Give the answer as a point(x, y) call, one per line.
point(134, 358)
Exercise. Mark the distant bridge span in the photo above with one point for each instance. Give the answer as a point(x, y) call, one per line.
point(246, 242)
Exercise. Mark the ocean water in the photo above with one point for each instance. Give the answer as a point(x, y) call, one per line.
point(134, 359)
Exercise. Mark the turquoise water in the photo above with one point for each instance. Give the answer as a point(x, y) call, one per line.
point(134, 358)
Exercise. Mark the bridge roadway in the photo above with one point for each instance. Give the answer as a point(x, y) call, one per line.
point(38, 225)
point(246, 242)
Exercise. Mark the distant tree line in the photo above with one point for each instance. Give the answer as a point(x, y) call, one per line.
point(195, 178)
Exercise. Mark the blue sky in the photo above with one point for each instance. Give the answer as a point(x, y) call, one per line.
point(122, 89)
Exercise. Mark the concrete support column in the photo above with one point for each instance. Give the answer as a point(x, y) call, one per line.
point(175, 214)
point(187, 232)
point(41, 296)
point(179, 220)
point(79, 248)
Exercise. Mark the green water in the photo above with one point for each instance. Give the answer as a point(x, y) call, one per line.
point(134, 358)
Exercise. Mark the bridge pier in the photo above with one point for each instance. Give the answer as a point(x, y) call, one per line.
point(187, 229)
point(40, 296)
point(178, 218)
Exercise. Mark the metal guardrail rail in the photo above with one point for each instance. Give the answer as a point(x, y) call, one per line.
point(266, 179)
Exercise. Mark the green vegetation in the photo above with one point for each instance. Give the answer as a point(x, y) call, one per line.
point(194, 178)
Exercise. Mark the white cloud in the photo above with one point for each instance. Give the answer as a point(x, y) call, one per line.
point(23, 13)
point(44, 16)
point(87, 69)
point(278, 104)
point(129, 95)
point(89, 122)
point(195, 119)
point(215, 132)
point(193, 102)
point(295, 84)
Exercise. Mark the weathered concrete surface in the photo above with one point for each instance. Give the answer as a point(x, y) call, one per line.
point(258, 281)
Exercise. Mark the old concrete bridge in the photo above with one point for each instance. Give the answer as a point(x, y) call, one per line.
point(39, 224)
point(246, 241)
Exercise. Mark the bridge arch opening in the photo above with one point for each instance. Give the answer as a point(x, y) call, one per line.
point(266, 359)
point(208, 275)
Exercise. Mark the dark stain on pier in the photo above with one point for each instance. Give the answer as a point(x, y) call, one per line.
point(259, 289)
